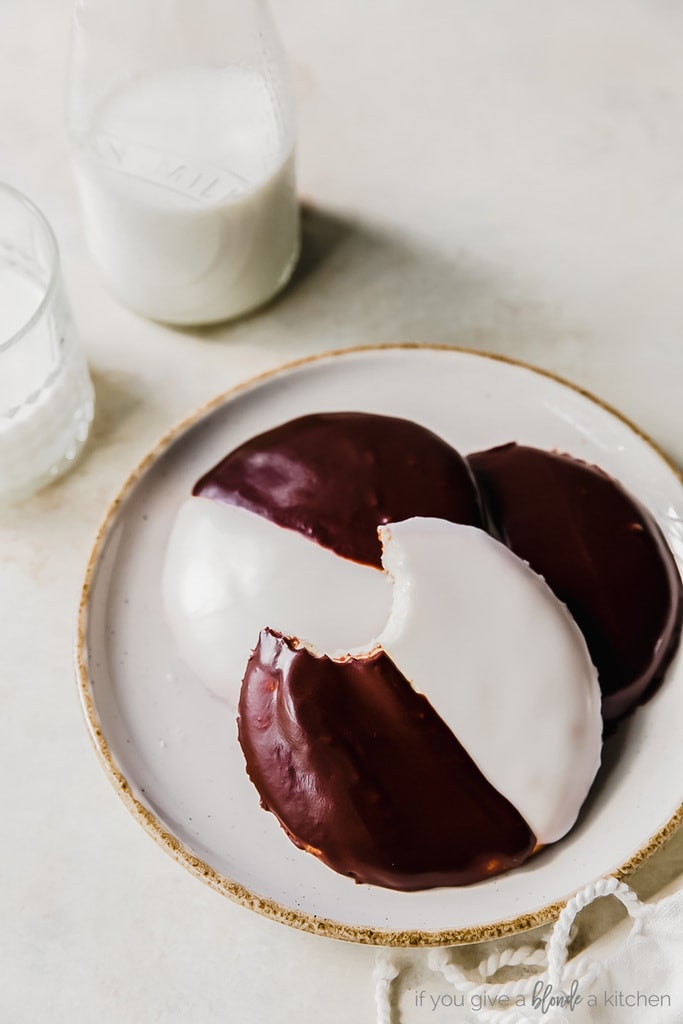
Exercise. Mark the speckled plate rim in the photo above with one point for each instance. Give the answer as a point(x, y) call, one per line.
point(180, 852)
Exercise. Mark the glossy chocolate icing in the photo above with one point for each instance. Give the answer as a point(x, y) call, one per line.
point(361, 771)
point(336, 477)
point(600, 552)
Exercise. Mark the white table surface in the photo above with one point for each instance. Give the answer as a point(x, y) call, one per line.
point(507, 177)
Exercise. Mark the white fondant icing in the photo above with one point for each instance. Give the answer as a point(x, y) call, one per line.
point(502, 662)
point(229, 573)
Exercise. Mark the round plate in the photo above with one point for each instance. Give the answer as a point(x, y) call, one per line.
point(170, 747)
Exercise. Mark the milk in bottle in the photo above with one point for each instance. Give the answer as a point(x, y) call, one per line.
point(185, 171)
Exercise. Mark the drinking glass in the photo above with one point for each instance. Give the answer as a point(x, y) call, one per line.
point(46, 396)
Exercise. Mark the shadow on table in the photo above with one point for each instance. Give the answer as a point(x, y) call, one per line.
point(357, 282)
point(118, 397)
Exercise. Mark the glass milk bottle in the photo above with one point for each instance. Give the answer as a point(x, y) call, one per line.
point(181, 124)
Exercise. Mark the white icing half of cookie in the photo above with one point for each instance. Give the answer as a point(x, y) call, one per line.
point(230, 573)
point(502, 662)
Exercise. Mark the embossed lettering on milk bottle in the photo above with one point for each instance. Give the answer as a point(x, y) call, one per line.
point(186, 173)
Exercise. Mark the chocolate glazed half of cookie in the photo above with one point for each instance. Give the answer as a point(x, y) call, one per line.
point(362, 772)
point(335, 477)
point(600, 552)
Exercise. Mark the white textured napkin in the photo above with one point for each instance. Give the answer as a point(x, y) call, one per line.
point(641, 982)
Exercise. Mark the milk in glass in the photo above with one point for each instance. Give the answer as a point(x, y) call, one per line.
point(46, 397)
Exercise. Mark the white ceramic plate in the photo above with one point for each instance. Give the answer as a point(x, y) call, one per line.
point(171, 749)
